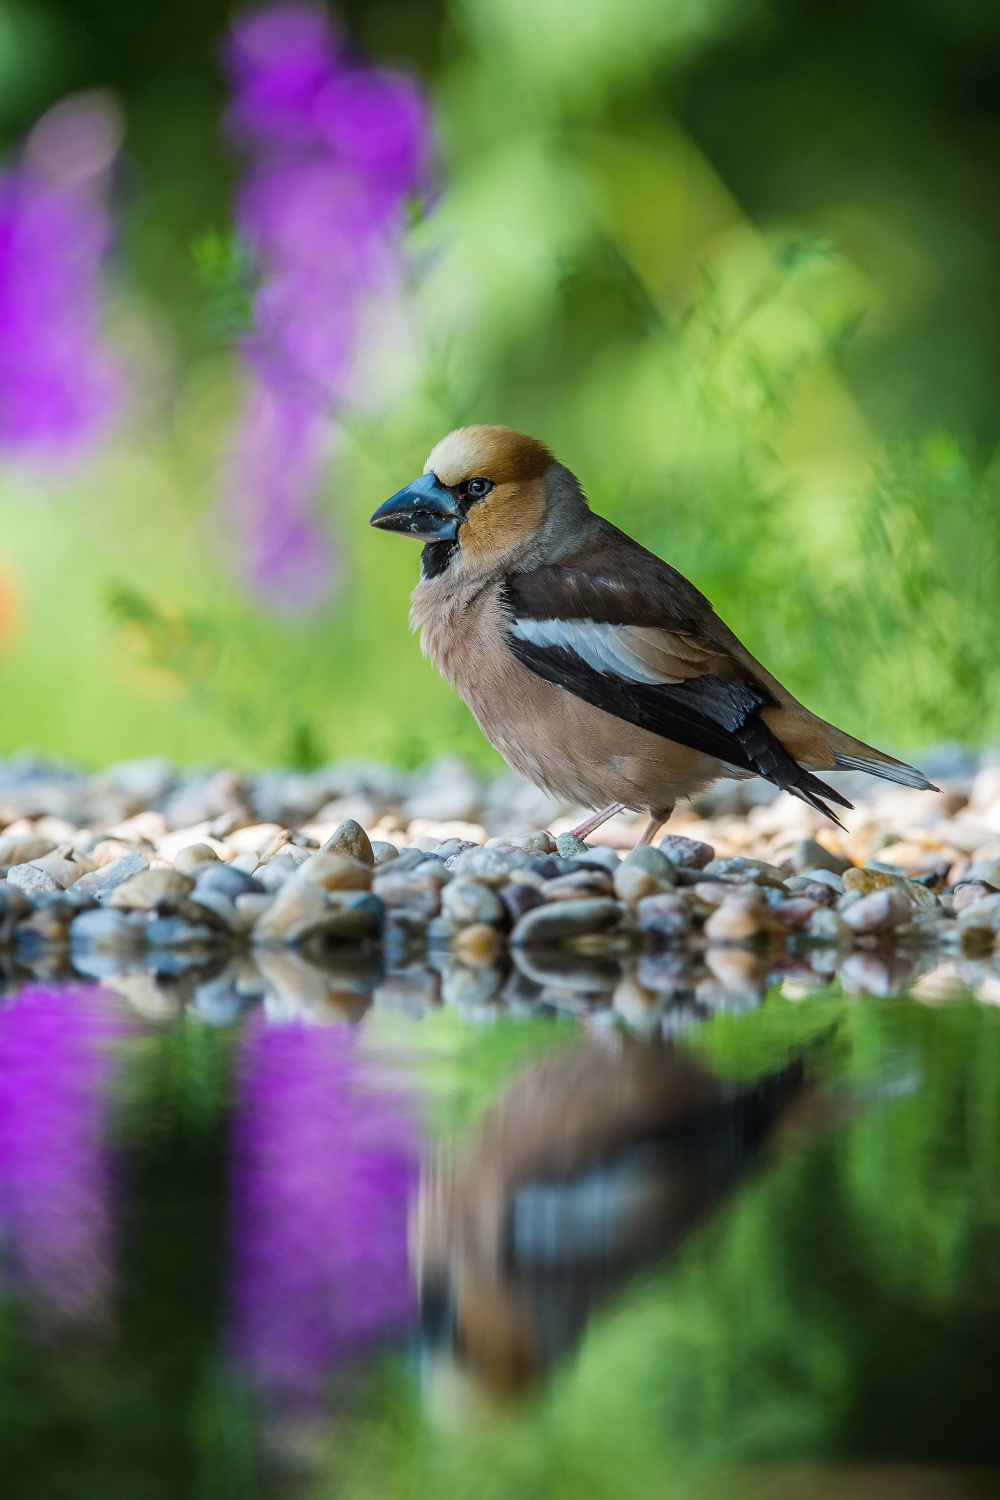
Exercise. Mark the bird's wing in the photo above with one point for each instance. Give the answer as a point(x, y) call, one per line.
point(635, 647)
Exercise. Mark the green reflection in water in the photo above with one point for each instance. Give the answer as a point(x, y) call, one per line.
point(840, 1307)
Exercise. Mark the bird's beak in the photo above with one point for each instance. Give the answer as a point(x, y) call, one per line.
point(425, 510)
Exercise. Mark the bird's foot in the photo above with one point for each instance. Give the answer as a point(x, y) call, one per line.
point(653, 827)
point(598, 818)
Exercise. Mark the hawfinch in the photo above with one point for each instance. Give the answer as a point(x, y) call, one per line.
point(599, 672)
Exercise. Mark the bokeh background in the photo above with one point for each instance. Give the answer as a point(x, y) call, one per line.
point(737, 261)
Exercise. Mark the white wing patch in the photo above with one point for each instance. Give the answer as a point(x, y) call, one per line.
point(602, 646)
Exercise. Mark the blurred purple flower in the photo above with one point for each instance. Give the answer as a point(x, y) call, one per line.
point(322, 1170)
point(55, 1184)
point(336, 149)
point(58, 383)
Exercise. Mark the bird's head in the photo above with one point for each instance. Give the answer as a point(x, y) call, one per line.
point(486, 493)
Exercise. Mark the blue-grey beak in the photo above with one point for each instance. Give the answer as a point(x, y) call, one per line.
point(425, 510)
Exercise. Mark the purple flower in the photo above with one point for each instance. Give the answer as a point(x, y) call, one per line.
point(323, 1165)
point(336, 149)
point(55, 1187)
point(58, 384)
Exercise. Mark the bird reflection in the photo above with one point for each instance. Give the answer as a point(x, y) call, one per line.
point(596, 1160)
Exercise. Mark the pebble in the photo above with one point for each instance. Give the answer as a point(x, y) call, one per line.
point(967, 895)
point(245, 862)
point(866, 881)
point(809, 855)
point(795, 914)
point(479, 943)
point(686, 854)
point(107, 930)
point(418, 893)
point(653, 861)
point(756, 870)
point(351, 841)
point(336, 872)
point(150, 888)
point(576, 884)
point(665, 915)
point(879, 911)
point(738, 918)
point(225, 880)
point(555, 922)
point(296, 909)
point(469, 901)
point(518, 897)
point(105, 878)
point(13, 901)
point(32, 881)
point(383, 853)
point(644, 872)
point(568, 845)
point(828, 926)
point(274, 874)
point(21, 849)
point(984, 913)
point(490, 866)
point(65, 872)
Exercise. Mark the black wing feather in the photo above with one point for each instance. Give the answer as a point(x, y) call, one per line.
point(712, 714)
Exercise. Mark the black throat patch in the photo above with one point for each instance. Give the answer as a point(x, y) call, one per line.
point(435, 558)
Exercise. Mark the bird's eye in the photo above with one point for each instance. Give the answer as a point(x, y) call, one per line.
point(477, 488)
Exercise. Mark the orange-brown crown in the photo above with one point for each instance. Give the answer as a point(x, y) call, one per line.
point(496, 453)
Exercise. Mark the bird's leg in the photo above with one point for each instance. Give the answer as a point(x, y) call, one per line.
point(653, 827)
point(596, 821)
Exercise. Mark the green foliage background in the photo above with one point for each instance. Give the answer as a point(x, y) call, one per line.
point(737, 262)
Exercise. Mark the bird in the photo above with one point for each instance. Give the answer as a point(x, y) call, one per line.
point(599, 672)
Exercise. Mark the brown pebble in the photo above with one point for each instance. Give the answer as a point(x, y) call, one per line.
point(632, 882)
point(739, 919)
point(192, 857)
point(866, 881)
point(147, 889)
point(479, 943)
point(351, 840)
point(336, 872)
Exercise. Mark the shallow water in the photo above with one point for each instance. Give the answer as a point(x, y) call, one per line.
point(591, 1227)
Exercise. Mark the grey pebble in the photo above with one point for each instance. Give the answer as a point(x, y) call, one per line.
point(568, 845)
point(33, 881)
point(419, 893)
point(828, 878)
point(756, 870)
point(101, 882)
point(224, 880)
point(468, 901)
point(809, 855)
point(557, 920)
point(667, 916)
point(175, 932)
point(272, 876)
point(106, 929)
point(383, 853)
point(686, 854)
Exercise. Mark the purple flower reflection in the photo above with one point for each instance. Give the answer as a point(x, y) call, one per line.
point(335, 149)
point(55, 1199)
point(323, 1166)
point(58, 384)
